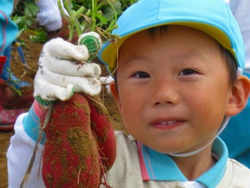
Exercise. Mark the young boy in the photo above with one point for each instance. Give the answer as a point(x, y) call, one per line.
point(176, 84)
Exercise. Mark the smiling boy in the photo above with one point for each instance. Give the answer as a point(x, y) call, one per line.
point(177, 82)
point(177, 68)
point(179, 94)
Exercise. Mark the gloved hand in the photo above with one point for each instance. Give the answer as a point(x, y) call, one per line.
point(49, 14)
point(63, 70)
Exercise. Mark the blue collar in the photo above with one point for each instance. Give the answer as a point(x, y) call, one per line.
point(159, 166)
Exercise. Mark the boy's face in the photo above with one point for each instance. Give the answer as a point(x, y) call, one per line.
point(173, 88)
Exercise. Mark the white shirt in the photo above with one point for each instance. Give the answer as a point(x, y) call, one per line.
point(125, 173)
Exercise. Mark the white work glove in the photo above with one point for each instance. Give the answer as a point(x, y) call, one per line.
point(49, 15)
point(106, 81)
point(63, 70)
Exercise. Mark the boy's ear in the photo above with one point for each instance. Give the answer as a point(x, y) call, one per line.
point(239, 96)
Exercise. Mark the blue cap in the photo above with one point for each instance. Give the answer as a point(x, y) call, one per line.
point(213, 17)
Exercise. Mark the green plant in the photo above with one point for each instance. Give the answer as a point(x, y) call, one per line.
point(93, 15)
point(25, 18)
point(84, 15)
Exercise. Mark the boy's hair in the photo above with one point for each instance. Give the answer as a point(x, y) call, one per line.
point(213, 17)
point(231, 64)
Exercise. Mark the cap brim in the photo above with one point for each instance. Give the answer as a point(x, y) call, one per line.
point(110, 52)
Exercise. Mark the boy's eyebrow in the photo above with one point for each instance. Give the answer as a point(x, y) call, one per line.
point(195, 55)
point(188, 54)
point(176, 57)
point(135, 58)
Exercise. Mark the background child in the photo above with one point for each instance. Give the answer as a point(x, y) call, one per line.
point(50, 18)
point(176, 85)
point(8, 32)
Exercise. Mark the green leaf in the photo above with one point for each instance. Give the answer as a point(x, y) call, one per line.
point(40, 37)
point(30, 8)
point(101, 17)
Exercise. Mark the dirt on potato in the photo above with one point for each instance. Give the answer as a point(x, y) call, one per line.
point(27, 73)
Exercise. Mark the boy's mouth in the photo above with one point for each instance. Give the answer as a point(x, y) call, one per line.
point(167, 122)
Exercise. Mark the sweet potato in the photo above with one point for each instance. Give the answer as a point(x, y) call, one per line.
point(71, 157)
point(103, 131)
point(80, 143)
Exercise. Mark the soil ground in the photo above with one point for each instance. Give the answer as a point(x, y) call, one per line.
point(27, 73)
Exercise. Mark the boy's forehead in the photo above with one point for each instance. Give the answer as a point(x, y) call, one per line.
point(161, 31)
point(163, 35)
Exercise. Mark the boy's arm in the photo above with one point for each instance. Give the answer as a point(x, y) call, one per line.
point(59, 59)
point(21, 150)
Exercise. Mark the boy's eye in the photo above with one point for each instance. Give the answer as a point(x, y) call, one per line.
point(141, 75)
point(188, 72)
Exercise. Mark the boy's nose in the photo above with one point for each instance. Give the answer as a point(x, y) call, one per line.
point(164, 94)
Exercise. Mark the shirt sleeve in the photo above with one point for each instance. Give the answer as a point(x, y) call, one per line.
point(19, 155)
